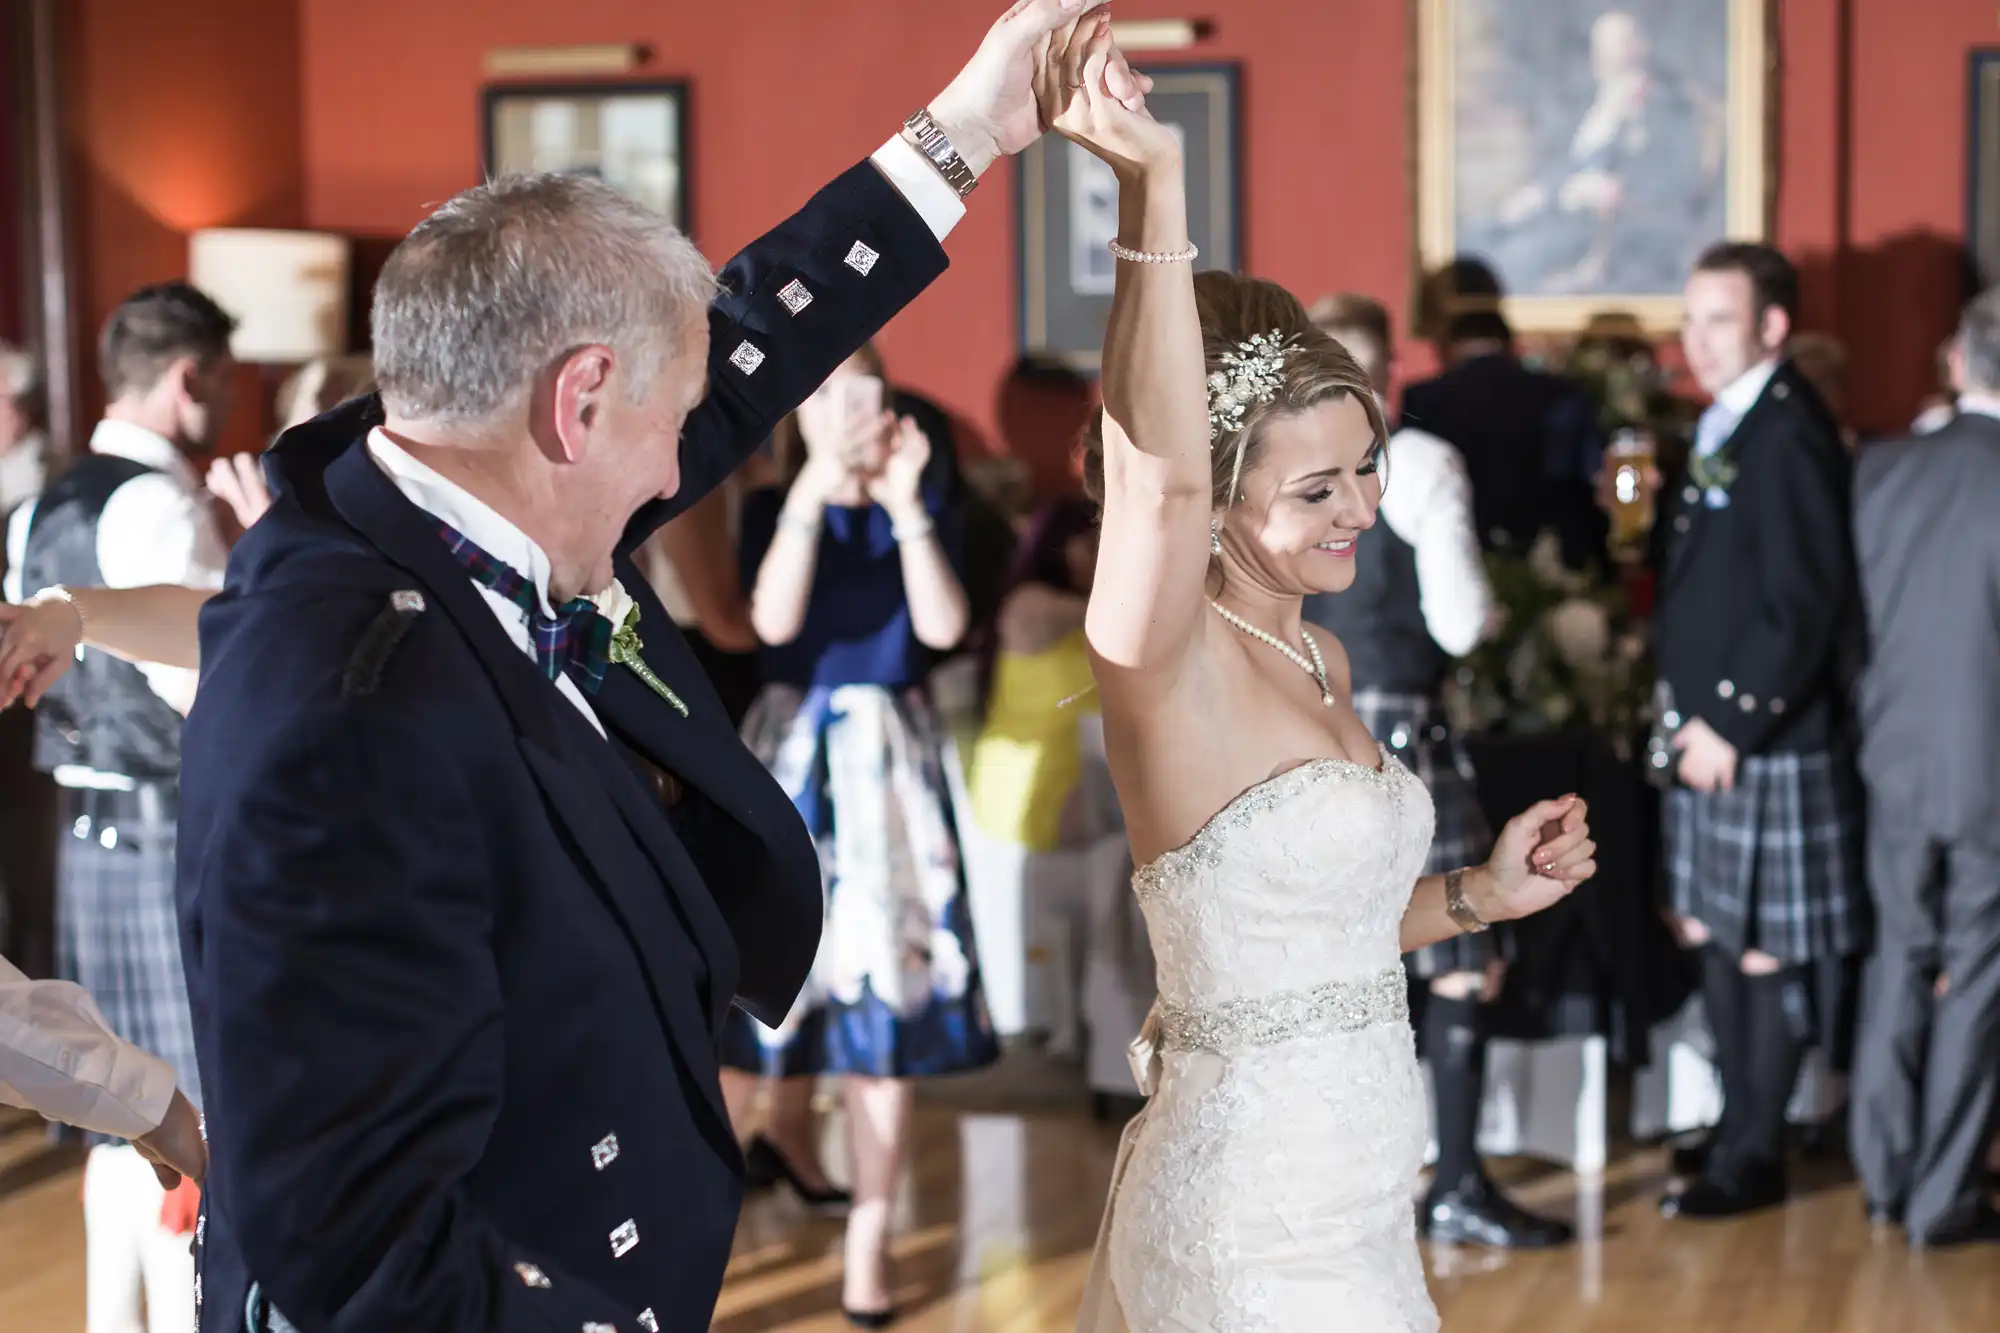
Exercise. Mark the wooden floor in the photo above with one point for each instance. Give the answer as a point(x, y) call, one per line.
point(1002, 1207)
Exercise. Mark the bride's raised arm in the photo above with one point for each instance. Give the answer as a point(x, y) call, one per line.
point(1154, 465)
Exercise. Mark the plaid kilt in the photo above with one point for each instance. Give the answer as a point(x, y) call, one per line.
point(1414, 729)
point(1774, 864)
point(117, 934)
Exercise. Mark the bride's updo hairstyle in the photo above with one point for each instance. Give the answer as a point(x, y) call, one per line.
point(1233, 310)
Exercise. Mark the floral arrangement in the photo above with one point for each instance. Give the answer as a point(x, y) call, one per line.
point(1569, 655)
point(1622, 374)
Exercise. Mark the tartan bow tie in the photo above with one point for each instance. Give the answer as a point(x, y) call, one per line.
point(577, 639)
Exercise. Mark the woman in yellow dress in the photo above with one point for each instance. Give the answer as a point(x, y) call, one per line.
point(1024, 776)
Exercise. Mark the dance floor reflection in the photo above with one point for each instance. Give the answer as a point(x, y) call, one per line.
point(1000, 1210)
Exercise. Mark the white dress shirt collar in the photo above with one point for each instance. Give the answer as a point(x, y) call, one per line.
point(442, 498)
point(122, 439)
point(1741, 394)
point(1984, 404)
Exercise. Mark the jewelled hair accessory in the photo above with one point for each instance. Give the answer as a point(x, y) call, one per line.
point(1251, 374)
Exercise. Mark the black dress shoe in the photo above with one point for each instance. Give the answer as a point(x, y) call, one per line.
point(869, 1318)
point(1983, 1229)
point(1475, 1212)
point(1717, 1196)
point(764, 1166)
point(1690, 1158)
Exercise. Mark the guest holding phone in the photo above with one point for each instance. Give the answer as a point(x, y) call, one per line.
point(856, 570)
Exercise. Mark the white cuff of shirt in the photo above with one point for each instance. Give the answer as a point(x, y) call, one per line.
point(919, 183)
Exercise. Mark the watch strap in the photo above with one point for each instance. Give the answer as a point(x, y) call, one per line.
point(937, 149)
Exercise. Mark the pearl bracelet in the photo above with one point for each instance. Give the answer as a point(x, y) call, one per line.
point(55, 592)
point(914, 531)
point(1131, 256)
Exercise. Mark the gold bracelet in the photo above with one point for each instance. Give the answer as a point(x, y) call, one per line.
point(1457, 908)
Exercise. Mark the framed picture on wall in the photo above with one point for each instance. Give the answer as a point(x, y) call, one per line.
point(1069, 213)
point(633, 136)
point(1587, 152)
point(1982, 165)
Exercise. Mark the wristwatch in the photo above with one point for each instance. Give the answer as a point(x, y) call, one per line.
point(1457, 908)
point(937, 149)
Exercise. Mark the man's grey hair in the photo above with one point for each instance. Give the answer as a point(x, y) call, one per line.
point(1979, 341)
point(510, 276)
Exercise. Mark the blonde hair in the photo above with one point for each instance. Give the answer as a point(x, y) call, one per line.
point(1232, 309)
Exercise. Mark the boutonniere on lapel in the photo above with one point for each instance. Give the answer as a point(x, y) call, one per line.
point(622, 613)
point(1715, 474)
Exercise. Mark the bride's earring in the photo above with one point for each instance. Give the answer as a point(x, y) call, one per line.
point(1215, 535)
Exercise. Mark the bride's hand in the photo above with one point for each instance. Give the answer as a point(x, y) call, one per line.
point(1091, 97)
point(38, 642)
point(1539, 858)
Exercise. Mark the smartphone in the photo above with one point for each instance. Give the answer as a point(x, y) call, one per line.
point(862, 400)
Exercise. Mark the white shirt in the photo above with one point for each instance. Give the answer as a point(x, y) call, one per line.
point(155, 528)
point(904, 167)
point(23, 469)
point(60, 1060)
point(1736, 400)
point(1981, 404)
point(440, 497)
point(1428, 503)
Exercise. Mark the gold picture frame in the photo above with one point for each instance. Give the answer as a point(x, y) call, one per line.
point(1541, 200)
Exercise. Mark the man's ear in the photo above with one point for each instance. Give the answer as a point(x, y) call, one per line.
point(581, 384)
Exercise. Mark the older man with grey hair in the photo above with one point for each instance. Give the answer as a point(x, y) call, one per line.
point(1927, 1069)
point(473, 862)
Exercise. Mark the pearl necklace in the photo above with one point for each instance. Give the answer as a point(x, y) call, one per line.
point(1316, 668)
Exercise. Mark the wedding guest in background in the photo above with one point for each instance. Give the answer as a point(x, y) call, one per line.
point(130, 513)
point(1755, 639)
point(1927, 1064)
point(1941, 406)
point(854, 569)
point(1530, 439)
point(1420, 598)
point(23, 447)
point(691, 563)
point(1023, 781)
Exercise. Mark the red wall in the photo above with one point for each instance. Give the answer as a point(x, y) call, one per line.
point(13, 299)
point(184, 116)
point(180, 116)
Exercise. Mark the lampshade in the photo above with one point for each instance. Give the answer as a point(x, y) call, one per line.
point(287, 290)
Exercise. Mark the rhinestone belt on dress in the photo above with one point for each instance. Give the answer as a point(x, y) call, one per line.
point(1338, 1006)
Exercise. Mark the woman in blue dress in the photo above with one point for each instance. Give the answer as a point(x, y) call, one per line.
point(857, 570)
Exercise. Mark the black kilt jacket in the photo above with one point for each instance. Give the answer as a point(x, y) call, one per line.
point(1757, 626)
point(457, 973)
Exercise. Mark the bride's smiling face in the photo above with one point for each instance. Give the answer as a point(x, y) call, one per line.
point(1314, 487)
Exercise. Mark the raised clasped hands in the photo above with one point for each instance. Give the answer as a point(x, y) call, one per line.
point(989, 110)
point(1540, 857)
point(1090, 96)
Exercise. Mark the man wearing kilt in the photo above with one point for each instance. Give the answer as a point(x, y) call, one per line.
point(1420, 597)
point(1755, 638)
point(131, 513)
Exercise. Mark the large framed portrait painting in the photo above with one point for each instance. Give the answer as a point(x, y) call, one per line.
point(631, 136)
point(1588, 150)
point(1069, 213)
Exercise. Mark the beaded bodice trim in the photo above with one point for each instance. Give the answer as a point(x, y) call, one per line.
point(1337, 1006)
point(1251, 805)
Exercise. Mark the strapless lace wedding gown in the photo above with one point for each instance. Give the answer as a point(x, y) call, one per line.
point(1268, 1186)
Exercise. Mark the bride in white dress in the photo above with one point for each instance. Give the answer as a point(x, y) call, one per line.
point(1268, 1186)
